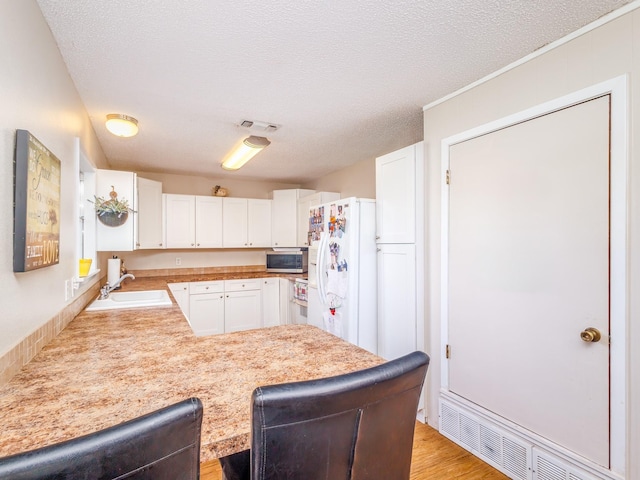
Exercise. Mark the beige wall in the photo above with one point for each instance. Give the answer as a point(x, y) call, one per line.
point(358, 180)
point(37, 95)
point(198, 185)
point(611, 50)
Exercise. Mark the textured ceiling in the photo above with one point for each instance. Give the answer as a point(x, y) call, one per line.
point(347, 80)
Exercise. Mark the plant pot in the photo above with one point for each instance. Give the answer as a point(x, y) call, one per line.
point(113, 219)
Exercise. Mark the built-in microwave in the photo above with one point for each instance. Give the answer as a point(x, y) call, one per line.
point(288, 261)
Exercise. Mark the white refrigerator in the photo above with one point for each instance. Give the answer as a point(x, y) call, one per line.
point(342, 270)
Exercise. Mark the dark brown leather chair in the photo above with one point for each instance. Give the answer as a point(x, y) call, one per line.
point(354, 426)
point(162, 445)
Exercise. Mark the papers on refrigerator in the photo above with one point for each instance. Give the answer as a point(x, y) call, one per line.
point(333, 323)
point(337, 282)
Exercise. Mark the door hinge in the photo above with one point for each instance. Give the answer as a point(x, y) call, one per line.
point(448, 177)
point(447, 351)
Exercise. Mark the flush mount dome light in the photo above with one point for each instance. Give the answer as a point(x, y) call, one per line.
point(122, 125)
point(244, 152)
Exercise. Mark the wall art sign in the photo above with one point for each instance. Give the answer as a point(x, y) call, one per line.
point(36, 211)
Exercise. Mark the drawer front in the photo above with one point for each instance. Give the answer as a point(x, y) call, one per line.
point(179, 287)
point(242, 284)
point(196, 288)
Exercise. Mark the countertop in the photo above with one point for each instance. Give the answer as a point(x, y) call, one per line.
point(107, 367)
point(142, 283)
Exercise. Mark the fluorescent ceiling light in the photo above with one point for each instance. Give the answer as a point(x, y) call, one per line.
point(122, 125)
point(244, 152)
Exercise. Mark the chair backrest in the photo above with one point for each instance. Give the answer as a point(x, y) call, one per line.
point(354, 426)
point(164, 444)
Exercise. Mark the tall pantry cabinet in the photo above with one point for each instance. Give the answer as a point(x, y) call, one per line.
point(400, 247)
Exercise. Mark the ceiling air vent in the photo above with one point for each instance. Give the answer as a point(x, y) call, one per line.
point(259, 127)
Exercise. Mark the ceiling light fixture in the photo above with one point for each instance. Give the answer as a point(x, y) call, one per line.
point(244, 152)
point(122, 125)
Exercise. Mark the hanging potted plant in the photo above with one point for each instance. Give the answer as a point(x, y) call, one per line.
point(112, 212)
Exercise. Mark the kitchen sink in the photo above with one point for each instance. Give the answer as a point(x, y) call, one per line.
point(142, 298)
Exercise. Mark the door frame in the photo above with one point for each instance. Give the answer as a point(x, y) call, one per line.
point(618, 309)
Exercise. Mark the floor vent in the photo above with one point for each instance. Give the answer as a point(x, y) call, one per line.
point(546, 470)
point(449, 421)
point(550, 467)
point(515, 458)
point(469, 434)
point(504, 449)
point(486, 440)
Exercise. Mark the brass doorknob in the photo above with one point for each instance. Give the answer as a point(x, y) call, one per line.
point(590, 335)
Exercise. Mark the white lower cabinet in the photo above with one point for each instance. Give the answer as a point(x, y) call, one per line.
point(397, 321)
point(286, 297)
point(225, 306)
point(242, 310)
point(207, 307)
point(242, 304)
point(270, 302)
point(180, 292)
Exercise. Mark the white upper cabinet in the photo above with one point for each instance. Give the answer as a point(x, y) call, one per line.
point(284, 216)
point(234, 222)
point(246, 222)
point(180, 220)
point(259, 222)
point(193, 221)
point(149, 216)
point(303, 213)
point(208, 222)
point(396, 196)
point(120, 238)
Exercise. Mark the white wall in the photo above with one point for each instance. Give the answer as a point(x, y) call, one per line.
point(36, 94)
point(611, 50)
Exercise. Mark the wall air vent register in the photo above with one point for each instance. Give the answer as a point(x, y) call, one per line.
point(513, 456)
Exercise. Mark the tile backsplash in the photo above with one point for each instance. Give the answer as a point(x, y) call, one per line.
point(12, 361)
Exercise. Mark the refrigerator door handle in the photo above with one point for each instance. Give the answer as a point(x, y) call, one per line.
point(320, 268)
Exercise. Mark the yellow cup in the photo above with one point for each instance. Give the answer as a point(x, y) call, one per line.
point(85, 266)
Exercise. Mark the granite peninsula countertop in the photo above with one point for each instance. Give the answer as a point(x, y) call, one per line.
point(107, 367)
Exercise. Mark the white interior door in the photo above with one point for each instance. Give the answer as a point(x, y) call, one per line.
point(529, 271)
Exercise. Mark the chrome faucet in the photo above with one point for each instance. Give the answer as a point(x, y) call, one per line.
point(106, 289)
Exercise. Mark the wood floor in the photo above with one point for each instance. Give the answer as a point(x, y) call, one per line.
point(434, 457)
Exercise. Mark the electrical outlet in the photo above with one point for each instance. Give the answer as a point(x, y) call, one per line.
point(178, 261)
point(73, 286)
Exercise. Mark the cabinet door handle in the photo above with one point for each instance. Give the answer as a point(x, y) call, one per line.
point(198, 245)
